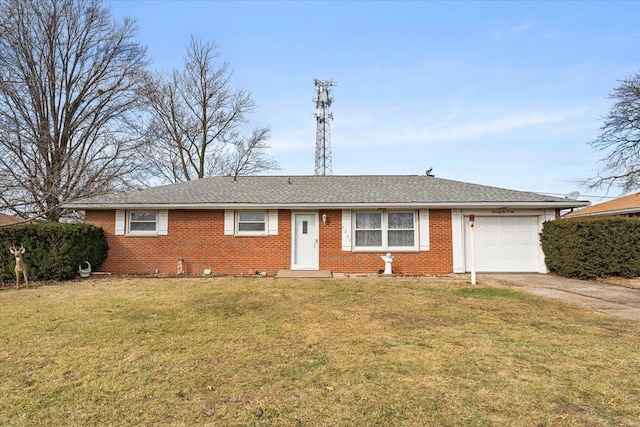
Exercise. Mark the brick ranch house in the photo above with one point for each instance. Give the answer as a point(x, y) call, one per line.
point(622, 206)
point(339, 223)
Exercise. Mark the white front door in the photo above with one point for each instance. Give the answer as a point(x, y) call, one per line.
point(305, 252)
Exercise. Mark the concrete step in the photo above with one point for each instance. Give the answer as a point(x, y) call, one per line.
point(317, 274)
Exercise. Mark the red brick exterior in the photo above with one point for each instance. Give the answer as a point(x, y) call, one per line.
point(198, 237)
point(438, 260)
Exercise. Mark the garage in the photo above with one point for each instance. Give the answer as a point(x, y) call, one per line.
point(504, 244)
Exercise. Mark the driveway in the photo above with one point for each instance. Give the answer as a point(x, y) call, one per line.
point(610, 299)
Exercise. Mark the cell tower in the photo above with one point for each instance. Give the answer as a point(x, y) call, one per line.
point(323, 101)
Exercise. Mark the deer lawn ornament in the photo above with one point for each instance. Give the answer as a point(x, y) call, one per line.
point(21, 267)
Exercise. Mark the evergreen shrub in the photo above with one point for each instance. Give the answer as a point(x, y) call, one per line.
point(53, 251)
point(587, 248)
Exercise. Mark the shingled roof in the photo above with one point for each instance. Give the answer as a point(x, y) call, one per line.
point(621, 206)
point(9, 219)
point(322, 191)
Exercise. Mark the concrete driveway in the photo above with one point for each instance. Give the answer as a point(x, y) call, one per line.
point(610, 299)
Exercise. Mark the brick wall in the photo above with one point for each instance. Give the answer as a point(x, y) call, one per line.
point(438, 260)
point(198, 237)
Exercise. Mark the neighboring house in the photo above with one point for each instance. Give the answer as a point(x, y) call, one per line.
point(9, 220)
point(339, 223)
point(626, 206)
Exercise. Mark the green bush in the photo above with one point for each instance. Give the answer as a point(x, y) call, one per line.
point(53, 251)
point(587, 248)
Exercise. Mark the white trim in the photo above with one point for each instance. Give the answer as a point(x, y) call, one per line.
point(384, 231)
point(457, 240)
point(231, 218)
point(460, 220)
point(142, 233)
point(163, 222)
point(507, 212)
point(530, 224)
point(543, 215)
point(120, 222)
point(316, 265)
point(346, 230)
point(352, 205)
point(273, 222)
point(423, 220)
point(229, 222)
point(549, 215)
point(261, 233)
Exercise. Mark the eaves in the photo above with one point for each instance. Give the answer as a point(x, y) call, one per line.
point(352, 205)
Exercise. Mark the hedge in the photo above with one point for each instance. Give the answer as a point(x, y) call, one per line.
point(53, 251)
point(587, 248)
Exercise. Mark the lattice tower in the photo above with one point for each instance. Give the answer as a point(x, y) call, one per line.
point(323, 101)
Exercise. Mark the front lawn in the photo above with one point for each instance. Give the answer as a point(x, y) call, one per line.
point(234, 351)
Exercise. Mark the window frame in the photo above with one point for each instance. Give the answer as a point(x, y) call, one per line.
point(384, 230)
point(265, 222)
point(412, 229)
point(368, 230)
point(129, 221)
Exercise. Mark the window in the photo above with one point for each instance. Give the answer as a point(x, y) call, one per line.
point(401, 231)
point(368, 229)
point(252, 222)
point(143, 222)
point(385, 230)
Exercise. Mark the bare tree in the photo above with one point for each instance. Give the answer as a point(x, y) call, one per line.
point(68, 78)
point(198, 119)
point(620, 139)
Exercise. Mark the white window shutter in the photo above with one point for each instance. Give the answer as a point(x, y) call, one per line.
point(424, 229)
point(273, 222)
point(346, 230)
point(229, 222)
point(163, 222)
point(120, 220)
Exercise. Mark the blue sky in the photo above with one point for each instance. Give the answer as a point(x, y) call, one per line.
point(497, 93)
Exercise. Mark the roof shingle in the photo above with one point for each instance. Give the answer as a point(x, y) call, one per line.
point(9, 219)
point(621, 205)
point(383, 190)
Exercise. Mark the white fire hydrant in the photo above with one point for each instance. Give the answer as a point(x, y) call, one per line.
point(388, 259)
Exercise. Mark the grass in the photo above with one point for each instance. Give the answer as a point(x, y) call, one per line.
point(260, 352)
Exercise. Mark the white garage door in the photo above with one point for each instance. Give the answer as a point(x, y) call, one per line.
point(504, 244)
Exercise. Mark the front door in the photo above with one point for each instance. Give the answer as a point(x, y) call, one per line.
point(305, 251)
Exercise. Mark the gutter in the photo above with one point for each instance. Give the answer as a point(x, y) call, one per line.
point(307, 206)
